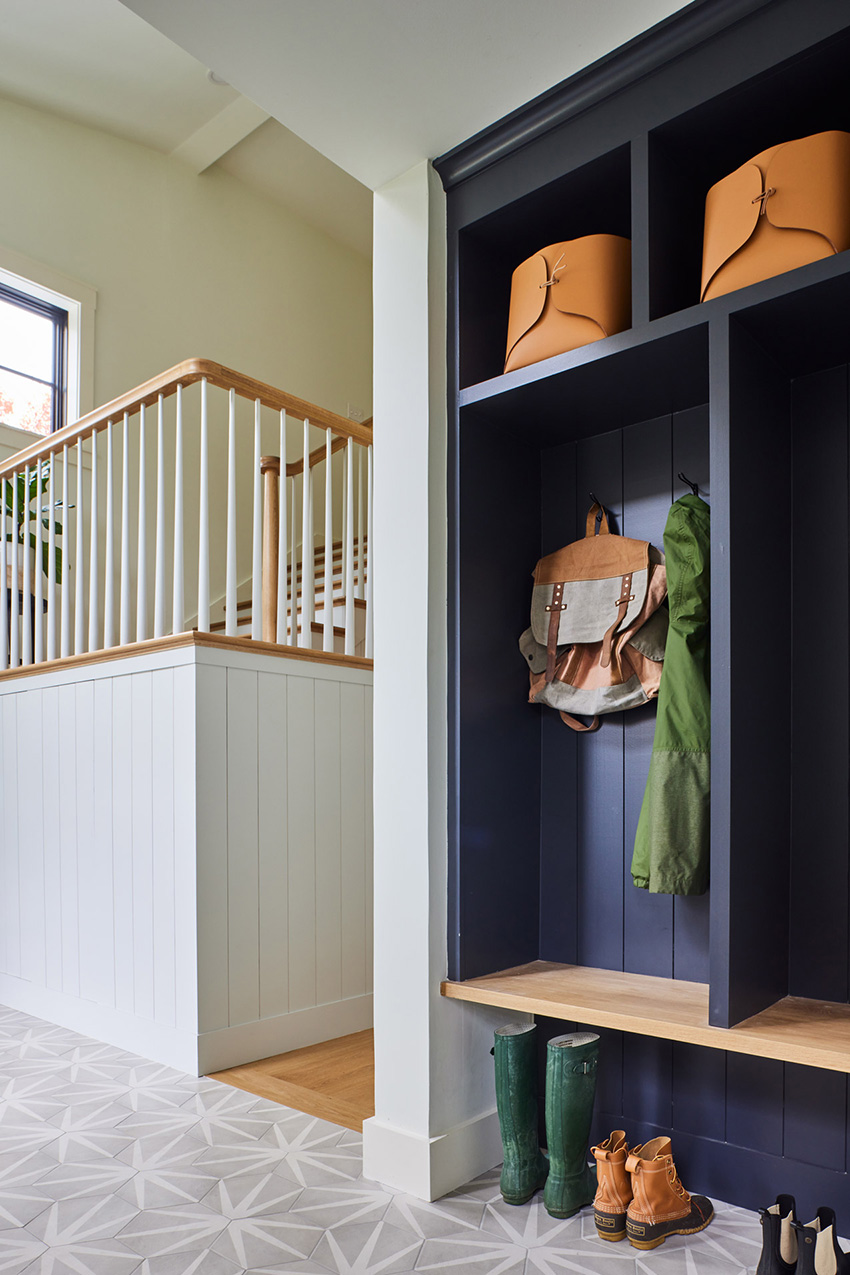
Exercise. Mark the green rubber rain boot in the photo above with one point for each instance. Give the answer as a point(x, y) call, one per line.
point(525, 1167)
point(570, 1089)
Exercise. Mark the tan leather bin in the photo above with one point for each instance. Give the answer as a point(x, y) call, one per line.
point(785, 207)
point(567, 295)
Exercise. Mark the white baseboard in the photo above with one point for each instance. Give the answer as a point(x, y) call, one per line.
point(231, 1046)
point(429, 1168)
point(172, 1046)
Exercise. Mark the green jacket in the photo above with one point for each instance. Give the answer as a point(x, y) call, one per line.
point(671, 846)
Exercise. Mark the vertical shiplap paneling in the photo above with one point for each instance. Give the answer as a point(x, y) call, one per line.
point(122, 844)
point(52, 860)
point(211, 734)
point(691, 914)
point(599, 789)
point(143, 897)
point(273, 845)
point(31, 836)
point(301, 833)
point(356, 936)
point(242, 847)
point(328, 842)
point(5, 847)
point(11, 897)
point(91, 956)
point(162, 800)
point(368, 857)
point(68, 838)
point(185, 872)
point(99, 934)
point(647, 485)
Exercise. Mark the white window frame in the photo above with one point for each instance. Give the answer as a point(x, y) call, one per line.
point(80, 301)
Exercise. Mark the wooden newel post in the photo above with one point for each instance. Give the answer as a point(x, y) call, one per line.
point(270, 470)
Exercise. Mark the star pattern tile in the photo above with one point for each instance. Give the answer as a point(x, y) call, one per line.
point(114, 1165)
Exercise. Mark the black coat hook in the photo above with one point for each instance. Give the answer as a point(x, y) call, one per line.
point(693, 486)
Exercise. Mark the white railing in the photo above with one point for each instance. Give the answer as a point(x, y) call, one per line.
point(165, 510)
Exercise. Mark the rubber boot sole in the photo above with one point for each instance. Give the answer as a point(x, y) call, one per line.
point(646, 1235)
point(610, 1226)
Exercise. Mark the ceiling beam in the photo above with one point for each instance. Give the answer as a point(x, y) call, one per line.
point(220, 134)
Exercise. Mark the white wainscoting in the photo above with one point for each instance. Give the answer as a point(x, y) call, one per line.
point(185, 853)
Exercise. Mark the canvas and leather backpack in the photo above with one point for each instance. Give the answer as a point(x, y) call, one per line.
point(598, 626)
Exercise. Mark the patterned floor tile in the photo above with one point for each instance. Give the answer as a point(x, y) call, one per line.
point(275, 1238)
point(161, 1188)
point(96, 1177)
point(80, 1219)
point(18, 1248)
point(205, 1262)
point(99, 1257)
point(252, 1195)
point(368, 1249)
point(448, 1216)
point(183, 1229)
point(334, 1206)
point(113, 1165)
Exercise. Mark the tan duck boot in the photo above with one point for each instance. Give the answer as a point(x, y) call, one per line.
point(614, 1186)
point(660, 1204)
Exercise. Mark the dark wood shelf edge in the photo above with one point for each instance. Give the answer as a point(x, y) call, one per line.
point(813, 1033)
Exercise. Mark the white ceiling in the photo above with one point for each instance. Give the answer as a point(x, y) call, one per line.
point(377, 85)
point(96, 62)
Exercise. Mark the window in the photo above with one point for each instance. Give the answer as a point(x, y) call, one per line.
point(33, 358)
point(51, 382)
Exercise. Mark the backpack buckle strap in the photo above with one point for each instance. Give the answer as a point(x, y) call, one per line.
point(555, 607)
point(622, 605)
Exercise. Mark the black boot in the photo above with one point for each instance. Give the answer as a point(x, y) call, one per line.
point(779, 1238)
point(818, 1249)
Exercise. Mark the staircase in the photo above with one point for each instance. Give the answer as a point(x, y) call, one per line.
point(245, 606)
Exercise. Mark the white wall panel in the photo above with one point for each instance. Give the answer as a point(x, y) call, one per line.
point(273, 846)
point(212, 848)
point(184, 852)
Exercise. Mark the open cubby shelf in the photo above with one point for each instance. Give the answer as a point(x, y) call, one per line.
point(813, 1033)
point(748, 396)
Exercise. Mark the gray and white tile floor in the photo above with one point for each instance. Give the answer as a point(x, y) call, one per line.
point(113, 1165)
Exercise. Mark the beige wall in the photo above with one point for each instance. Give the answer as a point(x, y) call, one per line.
point(185, 265)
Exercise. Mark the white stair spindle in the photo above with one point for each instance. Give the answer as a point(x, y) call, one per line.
point(204, 520)
point(308, 563)
point(282, 530)
point(124, 619)
point(141, 543)
point(360, 590)
point(177, 599)
point(5, 595)
point(109, 547)
point(230, 613)
point(293, 570)
point(94, 598)
point(328, 625)
point(38, 571)
point(369, 643)
point(257, 554)
point(349, 548)
point(26, 590)
point(51, 557)
point(65, 634)
point(79, 617)
point(159, 568)
point(14, 640)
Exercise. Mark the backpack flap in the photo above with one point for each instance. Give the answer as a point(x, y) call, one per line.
point(589, 590)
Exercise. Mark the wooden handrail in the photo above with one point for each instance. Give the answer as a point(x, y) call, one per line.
point(186, 373)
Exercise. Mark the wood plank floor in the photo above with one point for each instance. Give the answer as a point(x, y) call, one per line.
point(334, 1081)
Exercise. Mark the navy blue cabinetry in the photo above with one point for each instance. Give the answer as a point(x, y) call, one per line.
point(748, 395)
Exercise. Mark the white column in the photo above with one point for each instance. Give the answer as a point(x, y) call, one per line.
point(435, 1125)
